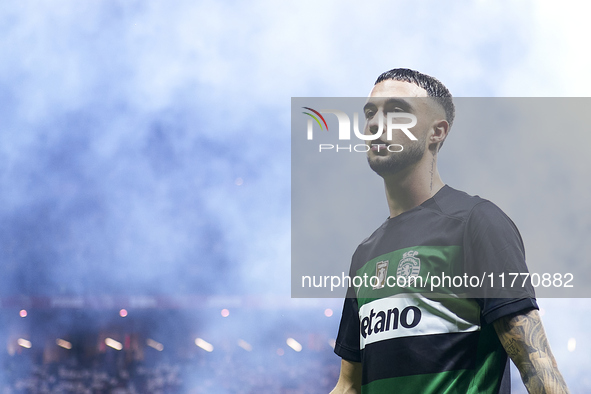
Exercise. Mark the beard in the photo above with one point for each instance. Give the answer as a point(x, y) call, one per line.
point(395, 162)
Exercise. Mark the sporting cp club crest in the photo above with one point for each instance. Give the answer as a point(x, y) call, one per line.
point(381, 273)
point(408, 267)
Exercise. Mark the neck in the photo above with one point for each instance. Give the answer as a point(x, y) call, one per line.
point(412, 186)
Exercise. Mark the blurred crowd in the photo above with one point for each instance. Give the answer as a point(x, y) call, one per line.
point(288, 375)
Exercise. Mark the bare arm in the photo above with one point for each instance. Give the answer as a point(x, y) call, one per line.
point(349, 378)
point(525, 341)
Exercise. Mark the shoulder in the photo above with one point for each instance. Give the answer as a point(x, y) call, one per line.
point(466, 207)
point(483, 222)
point(487, 217)
point(454, 203)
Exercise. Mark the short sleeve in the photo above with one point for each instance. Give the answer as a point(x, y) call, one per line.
point(494, 251)
point(347, 343)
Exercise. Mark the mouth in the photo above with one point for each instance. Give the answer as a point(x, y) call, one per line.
point(379, 146)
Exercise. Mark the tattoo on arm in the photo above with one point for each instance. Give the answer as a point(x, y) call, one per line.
point(525, 341)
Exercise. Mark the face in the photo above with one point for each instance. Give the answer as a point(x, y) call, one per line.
point(384, 156)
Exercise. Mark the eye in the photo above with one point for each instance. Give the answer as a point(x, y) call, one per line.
point(369, 114)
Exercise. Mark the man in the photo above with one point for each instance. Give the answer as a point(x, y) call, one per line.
point(398, 336)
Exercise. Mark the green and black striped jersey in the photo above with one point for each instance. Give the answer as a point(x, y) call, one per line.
point(413, 337)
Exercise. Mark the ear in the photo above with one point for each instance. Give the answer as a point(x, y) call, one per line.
point(439, 132)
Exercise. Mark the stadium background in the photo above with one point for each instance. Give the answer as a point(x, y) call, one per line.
point(145, 178)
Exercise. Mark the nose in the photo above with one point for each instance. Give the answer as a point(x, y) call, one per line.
point(375, 124)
